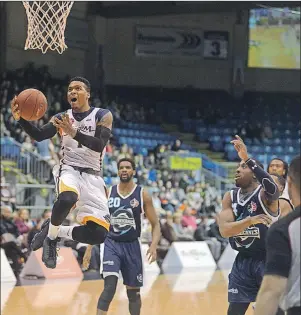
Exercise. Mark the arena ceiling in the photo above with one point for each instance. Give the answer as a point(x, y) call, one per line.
point(118, 9)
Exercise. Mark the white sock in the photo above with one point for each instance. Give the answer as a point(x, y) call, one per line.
point(66, 232)
point(53, 231)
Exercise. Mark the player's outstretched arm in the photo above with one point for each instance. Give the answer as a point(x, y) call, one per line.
point(39, 134)
point(152, 217)
point(270, 193)
point(228, 227)
point(102, 133)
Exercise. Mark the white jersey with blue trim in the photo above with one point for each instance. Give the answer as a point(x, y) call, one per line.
point(75, 154)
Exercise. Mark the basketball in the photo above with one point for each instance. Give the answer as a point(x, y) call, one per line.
point(32, 104)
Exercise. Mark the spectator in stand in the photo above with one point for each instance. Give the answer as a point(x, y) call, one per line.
point(157, 203)
point(214, 232)
point(167, 229)
point(27, 146)
point(178, 192)
point(202, 234)
point(181, 233)
point(189, 220)
point(11, 239)
point(23, 222)
point(194, 198)
point(176, 147)
point(267, 132)
point(184, 205)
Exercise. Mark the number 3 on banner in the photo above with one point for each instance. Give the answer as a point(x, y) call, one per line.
point(216, 51)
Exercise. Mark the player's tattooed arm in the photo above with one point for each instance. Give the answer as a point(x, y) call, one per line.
point(228, 227)
point(102, 134)
point(152, 217)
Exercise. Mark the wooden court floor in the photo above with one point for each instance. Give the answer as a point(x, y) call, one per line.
point(200, 293)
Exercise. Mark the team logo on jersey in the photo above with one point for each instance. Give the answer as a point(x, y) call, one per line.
point(247, 237)
point(134, 203)
point(252, 207)
point(85, 128)
point(122, 220)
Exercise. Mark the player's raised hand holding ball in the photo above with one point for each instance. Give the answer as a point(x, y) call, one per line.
point(30, 104)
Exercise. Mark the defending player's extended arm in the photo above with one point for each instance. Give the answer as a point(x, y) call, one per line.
point(39, 134)
point(152, 217)
point(102, 134)
point(226, 220)
point(270, 188)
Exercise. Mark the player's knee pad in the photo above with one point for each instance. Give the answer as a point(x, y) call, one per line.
point(108, 293)
point(133, 295)
point(237, 308)
point(91, 233)
point(64, 203)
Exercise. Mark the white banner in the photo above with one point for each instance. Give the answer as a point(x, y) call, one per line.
point(168, 41)
point(184, 255)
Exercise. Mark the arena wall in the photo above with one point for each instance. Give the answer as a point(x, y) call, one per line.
point(114, 39)
point(124, 68)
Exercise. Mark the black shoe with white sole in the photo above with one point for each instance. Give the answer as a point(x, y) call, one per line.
point(38, 239)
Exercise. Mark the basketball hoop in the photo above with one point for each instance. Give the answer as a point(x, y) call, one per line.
point(46, 24)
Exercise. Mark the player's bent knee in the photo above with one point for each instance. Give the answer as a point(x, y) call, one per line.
point(64, 203)
point(91, 233)
point(98, 233)
point(108, 293)
point(133, 294)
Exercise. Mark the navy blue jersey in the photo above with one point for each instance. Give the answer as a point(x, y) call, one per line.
point(252, 240)
point(125, 214)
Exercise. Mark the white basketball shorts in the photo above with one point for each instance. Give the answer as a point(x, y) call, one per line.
point(92, 201)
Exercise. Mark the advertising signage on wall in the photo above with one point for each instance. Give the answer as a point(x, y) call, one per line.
point(216, 44)
point(180, 42)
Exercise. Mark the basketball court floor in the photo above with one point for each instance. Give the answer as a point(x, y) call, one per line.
point(194, 293)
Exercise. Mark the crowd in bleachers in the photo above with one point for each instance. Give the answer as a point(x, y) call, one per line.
point(186, 206)
point(178, 197)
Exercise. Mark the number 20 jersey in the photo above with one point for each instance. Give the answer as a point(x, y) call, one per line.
point(125, 214)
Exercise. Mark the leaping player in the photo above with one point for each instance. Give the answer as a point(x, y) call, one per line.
point(84, 132)
point(247, 212)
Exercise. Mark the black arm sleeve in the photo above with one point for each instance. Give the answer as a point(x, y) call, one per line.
point(97, 143)
point(267, 182)
point(39, 134)
point(278, 260)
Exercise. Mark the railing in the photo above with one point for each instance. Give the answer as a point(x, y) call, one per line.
point(35, 197)
point(24, 161)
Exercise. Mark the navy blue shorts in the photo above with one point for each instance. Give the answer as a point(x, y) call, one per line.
point(245, 279)
point(124, 257)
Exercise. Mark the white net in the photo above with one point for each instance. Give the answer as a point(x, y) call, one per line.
point(46, 24)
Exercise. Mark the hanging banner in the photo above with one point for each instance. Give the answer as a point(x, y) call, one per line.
point(216, 44)
point(168, 41)
point(189, 163)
